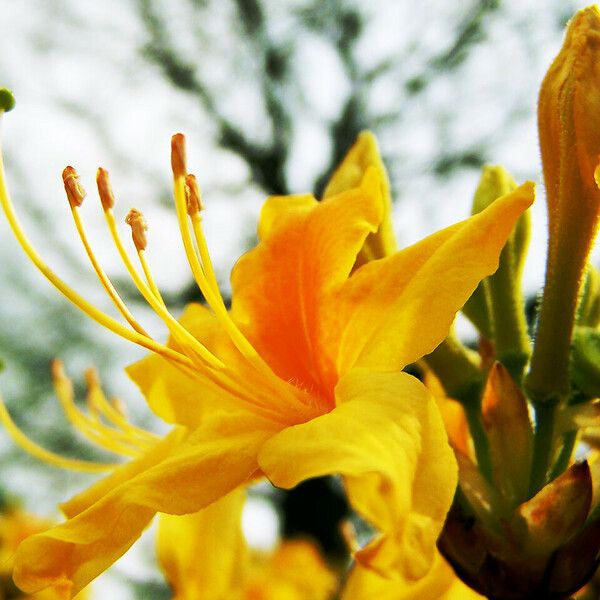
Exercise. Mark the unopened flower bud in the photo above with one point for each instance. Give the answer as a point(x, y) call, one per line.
point(569, 126)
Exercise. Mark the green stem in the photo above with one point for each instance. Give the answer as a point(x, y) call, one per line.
point(543, 442)
point(511, 338)
point(562, 462)
point(479, 436)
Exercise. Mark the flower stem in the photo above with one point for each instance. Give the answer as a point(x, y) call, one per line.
point(479, 436)
point(542, 446)
point(562, 462)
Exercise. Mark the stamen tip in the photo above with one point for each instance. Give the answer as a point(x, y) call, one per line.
point(75, 191)
point(104, 190)
point(92, 379)
point(57, 370)
point(135, 219)
point(193, 196)
point(178, 155)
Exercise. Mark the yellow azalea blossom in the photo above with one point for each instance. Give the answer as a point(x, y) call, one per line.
point(204, 557)
point(16, 525)
point(302, 378)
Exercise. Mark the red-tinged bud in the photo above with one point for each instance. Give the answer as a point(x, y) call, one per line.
point(547, 548)
point(557, 512)
point(508, 426)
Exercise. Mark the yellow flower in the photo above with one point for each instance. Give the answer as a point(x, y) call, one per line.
point(204, 557)
point(302, 378)
point(569, 128)
point(15, 526)
point(440, 583)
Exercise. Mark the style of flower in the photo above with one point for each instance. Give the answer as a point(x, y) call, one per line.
point(301, 378)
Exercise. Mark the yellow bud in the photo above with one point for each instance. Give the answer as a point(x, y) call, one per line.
point(569, 125)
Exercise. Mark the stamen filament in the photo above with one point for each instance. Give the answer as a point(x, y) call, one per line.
point(98, 404)
point(148, 275)
point(104, 279)
point(185, 338)
point(215, 302)
point(47, 456)
point(109, 439)
point(89, 309)
point(205, 256)
point(194, 207)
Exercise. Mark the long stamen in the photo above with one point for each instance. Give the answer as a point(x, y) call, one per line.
point(107, 198)
point(76, 194)
point(194, 209)
point(109, 439)
point(47, 456)
point(214, 301)
point(187, 341)
point(89, 309)
point(180, 333)
point(101, 407)
point(135, 219)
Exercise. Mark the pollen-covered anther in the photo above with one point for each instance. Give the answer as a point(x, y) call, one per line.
point(193, 197)
point(135, 219)
point(178, 155)
point(74, 189)
point(104, 189)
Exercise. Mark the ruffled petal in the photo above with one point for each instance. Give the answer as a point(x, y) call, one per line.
point(203, 554)
point(364, 154)
point(202, 468)
point(278, 287)
point(387, 439)
point(393, 311)
point(439, 584)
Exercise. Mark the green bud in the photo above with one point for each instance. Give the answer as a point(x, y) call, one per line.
point(500, 294)
point(7, 100)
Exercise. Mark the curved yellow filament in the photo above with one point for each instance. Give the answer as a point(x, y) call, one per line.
point(100, 406)
point(148, 275)
point(113, 440)
point(215, 301)
point(56, 460)
point(102, 276)
point(205, 259)
point(89, 309)
point(183, 336)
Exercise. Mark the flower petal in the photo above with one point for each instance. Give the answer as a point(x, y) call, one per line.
point(364, 154)
point(439, 584)
point(387, 439)
point(202, 554)
point(278, 287)
point(201, 469)
point(396, 310)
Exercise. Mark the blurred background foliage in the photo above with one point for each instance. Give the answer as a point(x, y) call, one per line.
point(270, 94)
